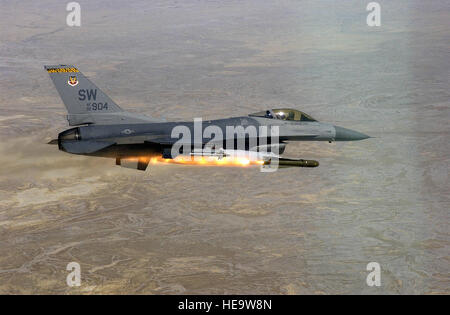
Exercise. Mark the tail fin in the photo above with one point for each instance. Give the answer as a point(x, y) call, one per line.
point(80, 96)
point(86, 103)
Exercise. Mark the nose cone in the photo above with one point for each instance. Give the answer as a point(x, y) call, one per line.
point(344, 134)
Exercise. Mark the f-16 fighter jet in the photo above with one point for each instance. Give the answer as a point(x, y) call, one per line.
point(104, 129)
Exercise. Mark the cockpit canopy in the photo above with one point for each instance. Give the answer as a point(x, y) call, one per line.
point(284, 114)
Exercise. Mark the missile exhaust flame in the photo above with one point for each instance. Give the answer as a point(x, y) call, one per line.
point(229, 161)
point(207, 161)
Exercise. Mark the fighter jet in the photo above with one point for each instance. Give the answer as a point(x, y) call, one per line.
point(104, 129)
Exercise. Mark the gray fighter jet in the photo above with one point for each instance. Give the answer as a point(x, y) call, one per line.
point(106, 130)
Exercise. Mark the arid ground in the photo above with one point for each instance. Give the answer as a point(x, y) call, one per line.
point(213, 230)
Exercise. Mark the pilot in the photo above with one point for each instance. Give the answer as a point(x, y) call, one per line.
point(268, 114)
point(281, 115)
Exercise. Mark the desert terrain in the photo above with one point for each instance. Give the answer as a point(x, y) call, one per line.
point(230, 230)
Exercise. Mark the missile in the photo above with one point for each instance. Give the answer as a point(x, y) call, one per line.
point(293, 163)
point(219, 154)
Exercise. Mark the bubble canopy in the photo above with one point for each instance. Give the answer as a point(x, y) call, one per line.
point(284, 114)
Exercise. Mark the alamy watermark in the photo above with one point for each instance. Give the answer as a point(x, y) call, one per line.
point(255, 144)
point(73, 279)
point(374, 277)
point(74, 17)
point(374, 17)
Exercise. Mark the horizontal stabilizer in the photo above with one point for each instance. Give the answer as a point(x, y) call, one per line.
point(53, 141)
